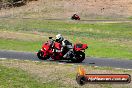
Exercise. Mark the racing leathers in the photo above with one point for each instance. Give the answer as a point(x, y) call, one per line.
point(68, 45)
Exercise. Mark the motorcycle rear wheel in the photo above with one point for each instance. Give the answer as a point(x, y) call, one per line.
point(40, 55)
point(79, 57)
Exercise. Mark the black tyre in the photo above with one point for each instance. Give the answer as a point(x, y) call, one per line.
point(79, 57)
point(40, 55)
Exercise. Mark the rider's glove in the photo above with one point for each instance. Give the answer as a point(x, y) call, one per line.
point(55, 50)
point(58, 51)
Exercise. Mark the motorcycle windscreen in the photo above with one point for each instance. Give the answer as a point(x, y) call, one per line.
point(79, 45)
point(45, 46)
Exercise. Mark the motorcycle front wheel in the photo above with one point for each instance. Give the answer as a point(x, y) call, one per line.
point(40, 55)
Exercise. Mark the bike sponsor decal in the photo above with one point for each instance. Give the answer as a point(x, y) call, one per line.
point(83, 78)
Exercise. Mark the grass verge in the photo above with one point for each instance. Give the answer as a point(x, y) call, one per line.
point(18, 78)
point(52, 74)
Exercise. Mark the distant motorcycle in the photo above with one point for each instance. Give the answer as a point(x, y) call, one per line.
point(51, 49)
point(75, 17)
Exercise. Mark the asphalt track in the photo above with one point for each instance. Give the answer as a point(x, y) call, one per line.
point(68, 19)
point(127, 64)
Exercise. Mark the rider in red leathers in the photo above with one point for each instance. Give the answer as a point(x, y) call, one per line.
point(75, 17)
point(65, 44)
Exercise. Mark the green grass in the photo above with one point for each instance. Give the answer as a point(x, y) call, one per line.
point(109, 50)
point(96, 30)
point(129, 17)
point(28, 74)
point(18, 45)
point(111, 40)
point(17, 78)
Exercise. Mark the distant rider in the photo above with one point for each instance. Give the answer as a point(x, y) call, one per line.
point(75, 17)
point(64, 43)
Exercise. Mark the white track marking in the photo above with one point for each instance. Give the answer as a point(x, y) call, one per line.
point(15, 59)
point(35, 61)
point(3, 58)
point(96, 66)
point(115, 68)
point(122, 69)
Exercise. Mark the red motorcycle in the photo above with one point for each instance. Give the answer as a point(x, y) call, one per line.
point(52, 49)
point(75, 17)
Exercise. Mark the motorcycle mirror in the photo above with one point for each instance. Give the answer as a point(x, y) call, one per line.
point(50, 37)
